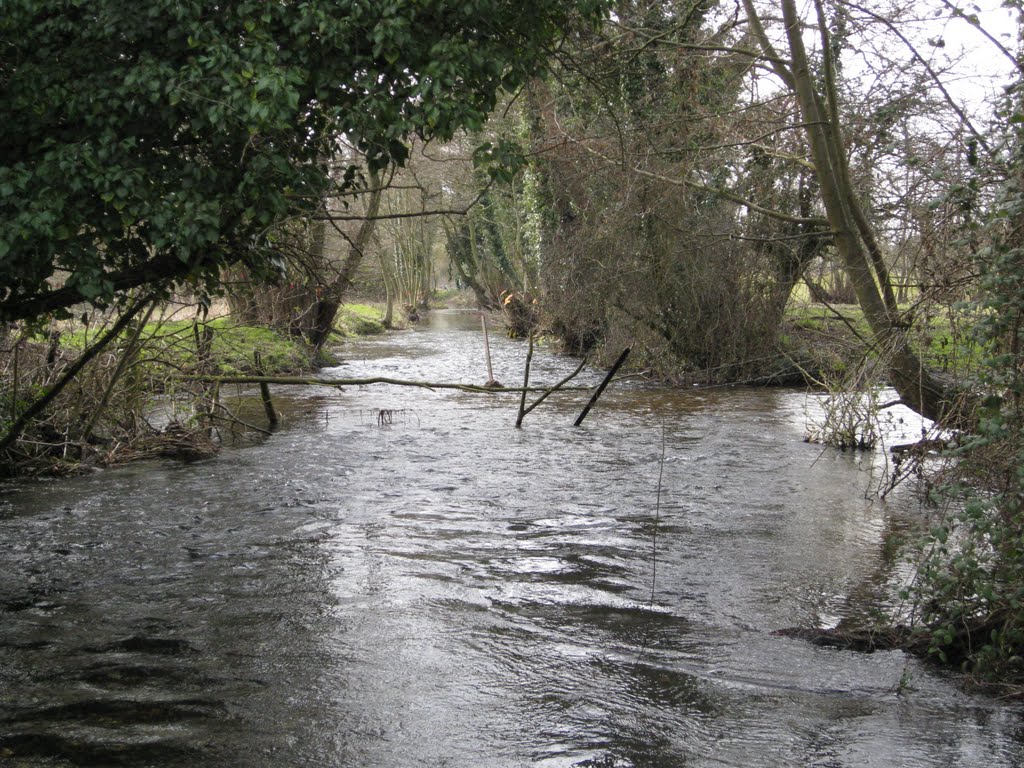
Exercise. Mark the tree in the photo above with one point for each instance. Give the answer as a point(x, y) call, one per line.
point(158, 142)
point(638, 134)
point(968, 594)
point(407, 244)
point(492, 249)
point(780, 155)
point(321, 259)
point(853, 235)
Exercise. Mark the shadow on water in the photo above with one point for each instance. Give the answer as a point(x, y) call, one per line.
point(446, 590)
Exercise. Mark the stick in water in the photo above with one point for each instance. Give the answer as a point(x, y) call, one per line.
point(487, 353)
point(600, 389)
point(526, 383)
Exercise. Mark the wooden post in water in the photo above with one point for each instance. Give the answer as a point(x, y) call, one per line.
point(526, 383)
point(487, 353)
point(600, 389)
point(268, 404)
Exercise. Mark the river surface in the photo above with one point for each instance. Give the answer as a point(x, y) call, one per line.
point(447, 590)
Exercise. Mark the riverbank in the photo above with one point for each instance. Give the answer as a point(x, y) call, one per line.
point(138, 397)
point(823, 347)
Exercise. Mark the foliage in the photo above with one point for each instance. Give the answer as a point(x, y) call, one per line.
point(969, 595)
point(155, 142)
point(634, 134)
point(495, 249)
point(478, 248)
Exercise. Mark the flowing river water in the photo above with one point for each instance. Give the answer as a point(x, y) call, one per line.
point(447, 590)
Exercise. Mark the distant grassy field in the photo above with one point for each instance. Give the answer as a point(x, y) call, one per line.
point(945, 340)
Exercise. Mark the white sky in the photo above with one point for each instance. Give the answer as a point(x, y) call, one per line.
point(986, 70)
point(972, 68)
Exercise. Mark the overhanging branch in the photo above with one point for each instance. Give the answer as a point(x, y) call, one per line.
point(718, 191)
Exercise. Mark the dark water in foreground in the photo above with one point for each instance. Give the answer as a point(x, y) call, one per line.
point(451, 591)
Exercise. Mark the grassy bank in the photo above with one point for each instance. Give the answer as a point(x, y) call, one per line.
point(359, 320)
point(220, 345)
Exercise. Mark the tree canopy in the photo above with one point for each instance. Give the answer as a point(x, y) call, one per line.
point(150, 143)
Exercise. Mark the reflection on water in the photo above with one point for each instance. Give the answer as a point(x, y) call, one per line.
point(450, 591)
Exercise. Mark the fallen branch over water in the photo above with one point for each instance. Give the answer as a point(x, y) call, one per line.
point(920, 447)
point(901, 638)
point(313, 381)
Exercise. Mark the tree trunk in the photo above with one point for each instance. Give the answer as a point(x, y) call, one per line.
point(387, 273)
point(326, 308)
point(852, 236)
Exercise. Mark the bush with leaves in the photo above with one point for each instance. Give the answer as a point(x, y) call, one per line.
point(969, 593)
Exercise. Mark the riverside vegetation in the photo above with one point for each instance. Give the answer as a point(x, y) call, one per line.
point(139, 399)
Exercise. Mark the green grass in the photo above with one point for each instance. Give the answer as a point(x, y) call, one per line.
point(944, 341)
point(359, 320)
point(171, 345)
point(234, 348)
point(818, 317)
point(949, 344)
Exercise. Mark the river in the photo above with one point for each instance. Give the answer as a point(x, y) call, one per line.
point(447, 590)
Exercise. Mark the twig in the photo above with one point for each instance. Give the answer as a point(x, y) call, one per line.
point(657, 517)
point(654, 544)
point(487, 352)
point(129, 352)
point(232, 418)
point(41, 404)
